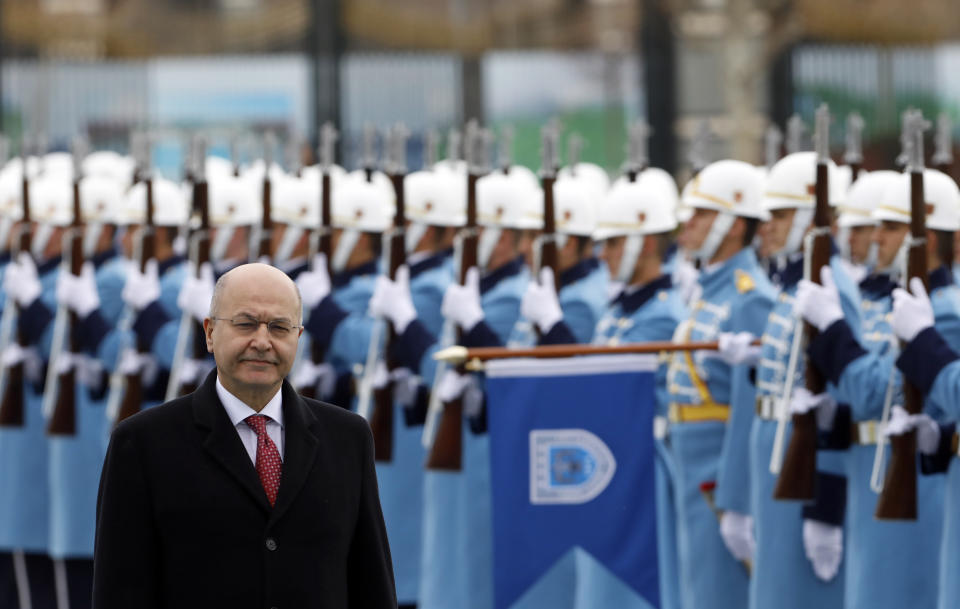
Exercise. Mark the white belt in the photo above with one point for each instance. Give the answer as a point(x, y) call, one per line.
point(769, 407)
point(866, 433)
point(661, 427)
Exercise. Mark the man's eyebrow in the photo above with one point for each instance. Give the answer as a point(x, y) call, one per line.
point(251, 315)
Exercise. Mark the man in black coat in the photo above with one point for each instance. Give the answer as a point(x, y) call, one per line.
point(243, 494)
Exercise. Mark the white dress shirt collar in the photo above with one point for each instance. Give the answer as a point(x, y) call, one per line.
point(238, 411)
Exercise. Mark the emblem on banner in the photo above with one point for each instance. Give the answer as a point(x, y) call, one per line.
point(568, 466)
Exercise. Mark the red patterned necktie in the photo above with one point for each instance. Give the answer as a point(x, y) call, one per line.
point(269, 465)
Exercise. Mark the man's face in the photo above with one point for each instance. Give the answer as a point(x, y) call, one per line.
point(612, 253)
point(54, 245)
point(889, 237)
point(695, 230)
point(860, 238)
point(247, 358)
point(781, 220)
point(128, 238)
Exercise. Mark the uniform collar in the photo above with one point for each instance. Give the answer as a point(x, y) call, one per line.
point(715, 280)
point(101, 258)
point(578, 271)
point(494, 277)
point(238, 411)
point(632, 298)
point(430, 262)
point(940, 277)
point(877, 286)
point(343, 278)
point(169, 263)
point(791, 274)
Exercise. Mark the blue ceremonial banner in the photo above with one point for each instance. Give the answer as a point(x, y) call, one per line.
point(572, 472)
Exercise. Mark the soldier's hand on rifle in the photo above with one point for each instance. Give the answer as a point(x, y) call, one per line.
point(737, 348)
point(736, 529)
point(802, 402)
point(823, 545)
point(79, 294)
point(452, 385)
point(818, 304)
point(461, 303)
point(912, 313)
point(314, 285)
point(20, 281)
point(391, 300)
point(540, 303)
point(141, 289)
point(197, 292)
point(928, 432)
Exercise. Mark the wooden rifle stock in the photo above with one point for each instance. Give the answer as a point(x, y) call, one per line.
point(446, 452)
point(797, 480)
point(898, 500)
point(64, 417)
point(11, 406)
point(133, 396)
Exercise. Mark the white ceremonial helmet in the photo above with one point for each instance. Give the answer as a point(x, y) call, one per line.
point(791, 184)
point(109, 164)
point(217, 167)
point(360, 206)
point(941, 196)
point(433, 198)
point(51, 206)
point(575, 207)
point(296, 203)
point(634, 210)
point(315, 172)
point(863, 197)
point(732, 188)
point(232, 202)
point(101, 203)
point(506, 200)
point(58, 165)
point(11, 203)
point(594, 178)
point(170, 207)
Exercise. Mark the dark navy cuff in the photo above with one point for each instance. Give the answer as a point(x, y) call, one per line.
point(33, 320)
point(478, 422)
point(832, 350)
point(343, 392)
point(481, 336)
point(157, 391)
point(939, 462)
point(922, 359)
point(409, 348)
point(148, 324)
point(837, 437)
point(830, 502)
point(90, 332)
point(559, 334)
point(324, 319)
point(415, 415)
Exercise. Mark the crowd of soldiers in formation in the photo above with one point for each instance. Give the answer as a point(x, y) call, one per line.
point(794, 269)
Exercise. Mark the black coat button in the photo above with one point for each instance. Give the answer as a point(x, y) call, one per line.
point(271, 544)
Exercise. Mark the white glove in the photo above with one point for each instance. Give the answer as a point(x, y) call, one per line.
point(912, 313)
point(79, 294)
point(802, 402)
point(736, 348)
point(928, 432)
point(141, 289)
point(818, 304)
point(736, 529)
point(823, 544)
point(461, 303)
point(391, 300)
point(20, 280)
point(452, 385)
point(314, 285)
point(540, 303)
point(197, 292)
point(405, 386)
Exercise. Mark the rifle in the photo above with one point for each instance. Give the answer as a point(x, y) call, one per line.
point(190, 330)
point(132, 399)
point(60, 390)
point(797, 478)
point(638, 157)
point(321, 238)
point(550, 163)
point(446, 447)
point(943, 144)
point(505, 152)
point(264, 253)
point(772, 140)
point(11, 377)
point(381, 420)
point(698, 146)
point(293, 157)
point(853, 155)
point(795, 130)
point(898, 499)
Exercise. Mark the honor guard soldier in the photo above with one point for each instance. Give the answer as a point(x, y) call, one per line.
point(890, 564)
point(24, 447)
point(704, 392)
point(296, 208)
point(789, 536)
point(856, 225)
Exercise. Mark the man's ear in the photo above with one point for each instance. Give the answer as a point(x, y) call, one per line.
point(208, 331)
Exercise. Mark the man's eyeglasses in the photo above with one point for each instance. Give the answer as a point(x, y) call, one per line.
point(244, 324)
